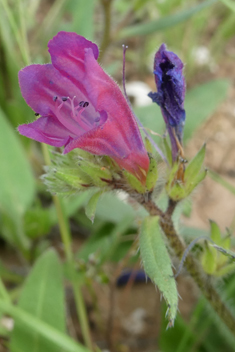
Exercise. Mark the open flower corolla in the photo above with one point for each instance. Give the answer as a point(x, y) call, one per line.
point(80, 106)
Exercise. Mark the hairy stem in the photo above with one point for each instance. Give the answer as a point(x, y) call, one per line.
point(191, 263)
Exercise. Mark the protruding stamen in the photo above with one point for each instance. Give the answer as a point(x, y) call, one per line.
point(83, 104)
point(55, 98)
point(64, 98)
point(123, 70)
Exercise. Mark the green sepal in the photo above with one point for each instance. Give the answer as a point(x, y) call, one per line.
point(133, 182)
point(157, 263)
point(59, 181)
point(208, 260)
point(167, 151)
point(148, 146)
point(190, 186)
point(100, 175)
point(90, 208)
point(226, 270)
point(152, 175)
point(217, 257)
point(180, 189)
point(177, 192)
point(221, 242)
point(195, 165)
point(215, 232)
point(72, 178)
point(172, 175)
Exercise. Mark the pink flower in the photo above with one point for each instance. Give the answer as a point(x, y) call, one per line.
point(81, 106)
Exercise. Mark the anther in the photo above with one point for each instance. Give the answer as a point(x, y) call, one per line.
point(64, 98)
point(36, 114)
point(83, 104)
point(55, 98)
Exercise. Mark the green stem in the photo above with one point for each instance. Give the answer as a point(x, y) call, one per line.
point(62, 341)
point(107, 27)
point(3, 292)
point(66, 239)
point(192, 265)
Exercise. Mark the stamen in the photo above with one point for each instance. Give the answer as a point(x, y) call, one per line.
point(55, 98)
point(83, 104)
point(76, 112)
point(36, 114)
point(123, 71)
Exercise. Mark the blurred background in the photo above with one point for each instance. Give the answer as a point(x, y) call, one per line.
point(125, 313)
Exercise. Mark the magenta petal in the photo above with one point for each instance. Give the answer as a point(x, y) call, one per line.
point(40, 84)
point(67, 52)
point(107, 140)
point(102, 140)
point(81, 106)
point(105, 95)
point(46, 130)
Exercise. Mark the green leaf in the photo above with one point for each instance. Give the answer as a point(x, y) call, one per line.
point(157, 263)
point(201, 102)
point(82, 18)
point(165, 22)
point(91, 206)
point(105, 241)
point(17, 185)
point(35, 326)
point(229, 3)
point(112, 208)
point(42, 296)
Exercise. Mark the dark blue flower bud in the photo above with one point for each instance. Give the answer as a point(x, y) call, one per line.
point(170, 82)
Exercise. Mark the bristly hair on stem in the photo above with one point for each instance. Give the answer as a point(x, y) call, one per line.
point(159, 151)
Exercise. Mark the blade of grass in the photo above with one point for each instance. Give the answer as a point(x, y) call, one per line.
point(61, 340)
point(15, 30)
point(217, 178)
point(165, 22)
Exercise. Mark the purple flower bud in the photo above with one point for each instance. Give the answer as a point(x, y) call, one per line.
point(170, 82)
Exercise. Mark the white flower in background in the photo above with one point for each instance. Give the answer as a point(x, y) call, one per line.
point(138, 91)
point(201, 55)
